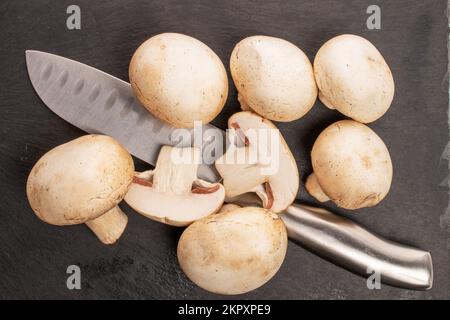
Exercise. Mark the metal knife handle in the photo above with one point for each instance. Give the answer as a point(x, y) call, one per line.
point(351, 246)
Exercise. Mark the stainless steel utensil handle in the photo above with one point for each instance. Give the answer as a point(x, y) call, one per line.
point(349, 245)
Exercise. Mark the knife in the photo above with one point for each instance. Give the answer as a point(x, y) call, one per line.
point(97, 102)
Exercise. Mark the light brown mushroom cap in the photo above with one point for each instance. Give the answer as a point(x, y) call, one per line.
point(354, 78)
point(352, 165)
point(79, 180)
point(274, 78)
point(179, 79)
point(233, 252)
point(277, 189)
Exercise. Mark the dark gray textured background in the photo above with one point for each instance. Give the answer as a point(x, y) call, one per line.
point(34, 255)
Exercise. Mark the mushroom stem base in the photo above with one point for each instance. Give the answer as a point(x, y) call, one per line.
point(244, 105)
point(313, 187)
point(109, 226)
point(325, 101)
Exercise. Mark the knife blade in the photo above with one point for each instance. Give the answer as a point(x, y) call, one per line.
point(97, 102)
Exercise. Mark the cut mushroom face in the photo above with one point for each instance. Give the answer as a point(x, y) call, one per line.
point(274, 78)
point(82, 181)
point(179, 79)
point(352, 166)
point(233, 252)
point(262, 163)
point(172, 193)
point(354, 78)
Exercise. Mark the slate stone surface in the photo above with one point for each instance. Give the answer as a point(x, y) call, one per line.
point(34, 255)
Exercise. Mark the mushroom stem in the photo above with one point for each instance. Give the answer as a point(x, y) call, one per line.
point(264, 191)
point(109, 226)
point(244, 105)
point(325, 101)
point(314, 188)
point(241, 135)
point(176, 169)
point(229, 207)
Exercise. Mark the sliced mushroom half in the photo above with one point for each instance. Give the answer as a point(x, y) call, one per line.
point(258, 160)
point(172, 193)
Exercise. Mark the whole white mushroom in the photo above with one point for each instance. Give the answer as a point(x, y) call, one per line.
point(352, 166)
point(179, 79)
point(82, 181)
point(233, 252)
point(354, 78)
point(274, 78)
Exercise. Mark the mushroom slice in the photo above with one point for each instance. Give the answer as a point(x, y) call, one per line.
point(82, 181)
point(171, 193)
point(263, 164)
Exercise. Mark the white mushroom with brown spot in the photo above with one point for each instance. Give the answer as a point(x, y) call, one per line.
point(82, 181)
point(353, 78)
point(172, 193)
point(274, 78)
point(352, 166)
point(262, 164)
point(179, 79)
point(233, 252)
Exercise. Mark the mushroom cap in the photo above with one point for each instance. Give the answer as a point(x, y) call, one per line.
point(354, 78)
point(79, 180)
point(243, 177)
point(352, 165)
point(179, 79)
point(274, 78)
point(233, 252)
